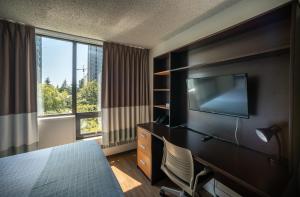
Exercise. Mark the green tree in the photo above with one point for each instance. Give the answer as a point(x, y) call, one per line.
point(65, 87)
point(90, 125)
point(87, 100)
point(89, 93)
point(47, 81)
point(55, 101)
point(81, 83)
point(59, 100)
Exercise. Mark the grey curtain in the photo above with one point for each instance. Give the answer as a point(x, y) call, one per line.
point(125, 92)
point(18, 117)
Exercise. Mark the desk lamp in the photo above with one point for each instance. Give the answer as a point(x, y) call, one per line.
point(265, 134)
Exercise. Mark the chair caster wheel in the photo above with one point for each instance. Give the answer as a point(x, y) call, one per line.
point(162, 193)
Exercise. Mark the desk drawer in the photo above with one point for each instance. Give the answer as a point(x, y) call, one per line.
point(143, 136)
point(144, 147)
point(144, 162)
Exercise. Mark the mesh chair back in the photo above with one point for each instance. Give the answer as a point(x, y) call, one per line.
point(179, 161)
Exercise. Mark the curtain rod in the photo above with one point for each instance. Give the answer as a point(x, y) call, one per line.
point(85, 39)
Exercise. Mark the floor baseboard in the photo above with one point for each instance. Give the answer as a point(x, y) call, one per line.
point(119, 149)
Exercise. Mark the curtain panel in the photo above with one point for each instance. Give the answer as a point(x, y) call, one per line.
point(18, 117)
point(125, 92)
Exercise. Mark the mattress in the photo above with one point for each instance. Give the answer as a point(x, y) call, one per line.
point(77, 169)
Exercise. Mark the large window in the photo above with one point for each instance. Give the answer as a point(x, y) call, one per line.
point(69, 78)
point(88, 78)
point(54, 75)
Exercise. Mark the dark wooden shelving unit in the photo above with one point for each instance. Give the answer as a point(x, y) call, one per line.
point(266, 47)
point(161, 107)
point(163, 73)
point(244, 57)
point(161, 90)
point(161, 87)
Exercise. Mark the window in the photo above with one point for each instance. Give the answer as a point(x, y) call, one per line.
point(69, 78)
point(88, 75)
point(54, 75)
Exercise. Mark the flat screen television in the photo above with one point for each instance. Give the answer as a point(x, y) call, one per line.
point(225, 95)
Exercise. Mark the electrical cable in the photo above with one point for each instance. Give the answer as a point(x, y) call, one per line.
point(236, 130)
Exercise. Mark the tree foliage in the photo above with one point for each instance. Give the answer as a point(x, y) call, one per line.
point(55, 101)
point(90, 125)
point(47, 81)
point(65, 87)
point(58, 100)
point(88, 94)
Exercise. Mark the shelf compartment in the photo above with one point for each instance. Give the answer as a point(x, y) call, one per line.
point(161, 90)
point(163, 73)
point(161, 107)
point(161, 63)
point(159, 113)
point(161, 82)
point(262, 53)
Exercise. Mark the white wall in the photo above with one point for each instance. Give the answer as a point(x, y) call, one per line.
point(54, 131)
point(232, 15)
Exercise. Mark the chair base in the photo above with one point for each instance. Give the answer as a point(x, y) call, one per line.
point(164, 190)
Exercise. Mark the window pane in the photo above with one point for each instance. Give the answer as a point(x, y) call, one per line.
point(90, 126)
point(54, 75)
point(88, 69)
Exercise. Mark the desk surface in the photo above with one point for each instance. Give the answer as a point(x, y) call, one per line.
point(249, 168)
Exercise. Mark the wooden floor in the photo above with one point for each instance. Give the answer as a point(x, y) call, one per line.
point(133, 182)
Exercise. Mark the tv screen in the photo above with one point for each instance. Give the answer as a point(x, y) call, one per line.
point(225, 95)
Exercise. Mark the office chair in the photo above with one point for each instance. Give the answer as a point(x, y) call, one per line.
point(178, 165)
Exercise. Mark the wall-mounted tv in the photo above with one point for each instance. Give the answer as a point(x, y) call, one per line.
point(226, 94)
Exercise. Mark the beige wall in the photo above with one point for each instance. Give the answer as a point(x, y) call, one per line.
point(55, 131)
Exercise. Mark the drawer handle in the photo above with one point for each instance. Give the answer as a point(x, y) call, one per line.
point(142, 146)
point(142, 162)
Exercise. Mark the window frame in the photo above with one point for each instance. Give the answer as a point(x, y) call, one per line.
point(80, 115)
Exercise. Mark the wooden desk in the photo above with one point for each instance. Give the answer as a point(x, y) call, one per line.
point(250, 173)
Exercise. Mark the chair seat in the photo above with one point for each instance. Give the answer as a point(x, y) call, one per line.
point(177, 180)
point(178, 165)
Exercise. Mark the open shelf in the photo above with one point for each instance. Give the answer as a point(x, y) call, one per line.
point(161, 107)
point(163, 73)
point(161, 90)
point(258, 54)
point(161, 87)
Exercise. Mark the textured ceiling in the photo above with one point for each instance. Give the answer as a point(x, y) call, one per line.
point(137, 22)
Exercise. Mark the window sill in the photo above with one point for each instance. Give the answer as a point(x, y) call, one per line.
point(91, 138)
point(56, 117)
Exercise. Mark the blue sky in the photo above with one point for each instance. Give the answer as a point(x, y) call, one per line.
point(57, 60)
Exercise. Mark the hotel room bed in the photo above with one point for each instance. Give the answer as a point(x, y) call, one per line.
point(77, 169)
